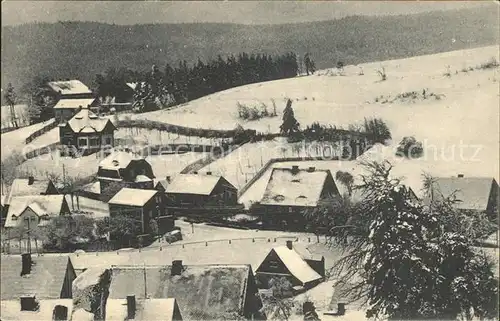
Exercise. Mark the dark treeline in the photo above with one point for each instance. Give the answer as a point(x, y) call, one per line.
point(182, 83)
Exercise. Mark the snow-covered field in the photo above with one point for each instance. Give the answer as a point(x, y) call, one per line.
point(153, 137)
point(14, 141)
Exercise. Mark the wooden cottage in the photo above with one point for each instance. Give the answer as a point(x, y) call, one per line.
point(87, 133)
point(203, 292)
point(289, 191)
point(124, 169)
point(201, 193)
point(140, 204)
point(286, 261)
point(35, 210)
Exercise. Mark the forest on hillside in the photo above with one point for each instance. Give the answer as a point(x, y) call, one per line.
point(83, 49)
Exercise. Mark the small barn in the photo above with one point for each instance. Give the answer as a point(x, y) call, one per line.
point(204, 192)
point(140, 204)
point(286, 261)
point(479, 194)
point(87, 133)
point(125, 169)
point(289, 191)
point(35, 210)
point(203, 292)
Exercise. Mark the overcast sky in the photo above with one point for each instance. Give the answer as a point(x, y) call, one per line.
point(246, 12)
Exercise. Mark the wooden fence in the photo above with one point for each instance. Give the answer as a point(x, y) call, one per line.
point(41, 131)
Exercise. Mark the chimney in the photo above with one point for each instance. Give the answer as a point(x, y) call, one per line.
point(209, 173)
point(176, 267)
point(169, 179)
point(460, 175)
point(295, 169)
point(311, 169)
point(60, 313)
point(340, 308)
point(130, 307)
point(26, 264)
point(289, 244)
point(31, 180)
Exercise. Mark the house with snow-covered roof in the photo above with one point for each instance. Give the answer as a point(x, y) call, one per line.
point(200, 193)
point(290, 263)
point(290, 191)
point(71, 95)
point(87, 133)
point(35, 210)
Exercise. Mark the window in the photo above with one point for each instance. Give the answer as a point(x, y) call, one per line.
point(94, 141)
point(29, 303)
point(108, 140)
point(82, 141)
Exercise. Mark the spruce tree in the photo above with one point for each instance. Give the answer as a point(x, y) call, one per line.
point(10, 99)
point(290, 124)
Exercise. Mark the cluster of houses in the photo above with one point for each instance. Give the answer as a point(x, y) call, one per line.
point(49, 287)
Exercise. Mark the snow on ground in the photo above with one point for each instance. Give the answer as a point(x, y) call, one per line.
point(242, 164)
point(153, 137)
point(15, 140)
point(330, 96)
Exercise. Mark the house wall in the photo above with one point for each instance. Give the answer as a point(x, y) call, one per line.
point(252, 302)
point(28, 214)
point(64, 114)
point(143, 214)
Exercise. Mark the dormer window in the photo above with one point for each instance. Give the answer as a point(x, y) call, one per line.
point(14, 218)
point(295, 180)
point(29, 303)
point(279, 198)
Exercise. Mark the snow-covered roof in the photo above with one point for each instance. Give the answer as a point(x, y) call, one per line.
point(11, 309)
point(118, 159)
point(85, 121)
point(142, 178)
point(297, 266)
point(147, 309)
point(68, 103)
point(472, 193)
point(69, 87)
point(132, 197)
point(22, 187)
point(197, 184)
point(301, 187)
point(50, 205)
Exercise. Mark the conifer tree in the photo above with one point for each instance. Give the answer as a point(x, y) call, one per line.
point(290, 124)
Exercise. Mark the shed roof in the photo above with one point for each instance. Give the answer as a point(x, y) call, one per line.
point(21, 187)
point(69, 87)
point(132, 196)
point(85, 121)
point(197, 184)
point(146, 309)
point(301, 188)
point(297, 266)
point(45, 280)
point(50, 205)
point(11, 309)
point(69, 103)
point(202, 291)
point(472, 193)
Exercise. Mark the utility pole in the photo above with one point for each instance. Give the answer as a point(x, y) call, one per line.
point(28, 247)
